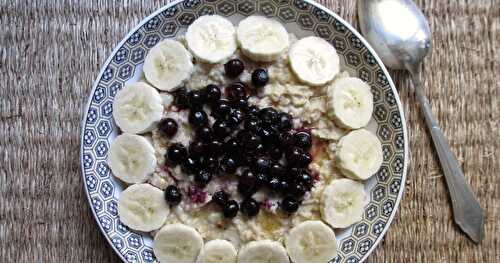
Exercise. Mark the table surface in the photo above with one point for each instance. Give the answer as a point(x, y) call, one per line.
point(51, 52)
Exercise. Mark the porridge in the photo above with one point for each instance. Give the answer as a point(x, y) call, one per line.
point(240, 140)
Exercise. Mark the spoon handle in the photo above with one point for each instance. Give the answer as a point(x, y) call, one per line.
point(467, 211)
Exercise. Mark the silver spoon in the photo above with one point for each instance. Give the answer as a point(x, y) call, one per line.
point(400, 34)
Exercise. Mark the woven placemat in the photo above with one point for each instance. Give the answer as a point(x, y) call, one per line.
point(51, 52)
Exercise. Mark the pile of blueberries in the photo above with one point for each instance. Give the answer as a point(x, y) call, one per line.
point(259, 141)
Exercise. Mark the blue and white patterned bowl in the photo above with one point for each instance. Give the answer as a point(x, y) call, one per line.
point(301, 17)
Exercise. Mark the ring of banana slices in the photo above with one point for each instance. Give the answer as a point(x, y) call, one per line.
point(313, 62)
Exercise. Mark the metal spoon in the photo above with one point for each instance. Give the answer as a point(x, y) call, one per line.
point(400, 34)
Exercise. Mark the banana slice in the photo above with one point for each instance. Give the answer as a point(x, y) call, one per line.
point(211, 38)
point(262, 39)
point(131, 158)
point(311, 242)
point(350, 102)
point(343, 202)
point(263, 251)
point(217, 251)
point(143, 207)
point(168, 64)
point(359, 154)
point(314, 61)
point(137, 108)
point(177, 243)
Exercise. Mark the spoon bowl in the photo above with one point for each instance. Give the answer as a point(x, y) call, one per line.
point(397, 30)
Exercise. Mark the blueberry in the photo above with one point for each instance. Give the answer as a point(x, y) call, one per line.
point(241, 104)
point(247, 183)
point(168, 127)
point(221, 129)
point(198, 118)
point(216, 147)
point(173, 195)
point(213, 93)
point(262, 165)
point(234, 67)
point(275, 152)
point(268, 134)
point(277, 170)
point(236, 91)
point(210, 163)
point(181, 100)
point(222, 108)
point(228, 164)
point(197, 148)
point(297, 189)
point(286, 140)
point(231, 208)
point(303, 140)
point(261, 179)
point(250, 207)
point(252, 110)
point(304, 160)
point(283, 187)
point(203, 177)
point(260, 77)
point(252, 123)
point(268, 115)
point(220, 197)
point(235, 118)
point(274, 184)
point(204, 133)
point(196, 98)
point(259, 150)
point(289, 204)
point(231, 146)
point(285, 121)
point(305, 177)
point(191, 165)
point(176, 153)
point(251, 141)
point(293, 156)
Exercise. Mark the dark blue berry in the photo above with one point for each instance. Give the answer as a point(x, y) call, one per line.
point(191, 165)
point(262, 165)
point(173, 195)
point(203, 177)
point(231, 208)
point(250, 207)
point(290, 204)
point(196, 98)
point(210, 163)
point(213, 93)
point(285, 122)
point(236, 91)
point(216, 147)
point(198, 118)
point(234, 67)
point(221, 129)
point(181, 100)
point(197, 148)
point(204, 133)
point(259, 78)
point(221, 109)
point(176, 153)
point(220, 197)
point(168, 127)
point(303, 140)
point(228, 164)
